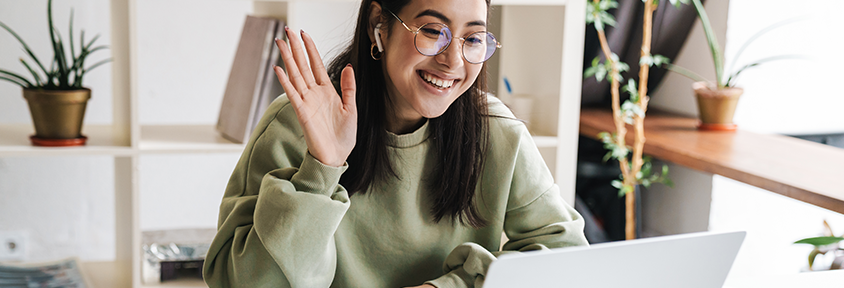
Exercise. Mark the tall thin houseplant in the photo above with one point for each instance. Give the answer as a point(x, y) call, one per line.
point(636, 169)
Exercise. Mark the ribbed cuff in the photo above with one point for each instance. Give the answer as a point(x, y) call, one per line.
point(315, 177)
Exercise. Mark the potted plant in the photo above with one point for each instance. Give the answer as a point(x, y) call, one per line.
point(56, 97)
point(717, 100)
point(828, 243)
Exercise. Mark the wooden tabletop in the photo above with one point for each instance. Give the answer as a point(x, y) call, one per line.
point(803, 170)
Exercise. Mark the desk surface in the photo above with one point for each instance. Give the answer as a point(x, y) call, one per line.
point(795, 168)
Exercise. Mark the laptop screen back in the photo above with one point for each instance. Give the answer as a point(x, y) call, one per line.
point(695, 260)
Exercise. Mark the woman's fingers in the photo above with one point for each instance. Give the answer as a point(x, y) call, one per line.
point(292, 69)
point(299, 56)
point(320, 75)
point(294, 96)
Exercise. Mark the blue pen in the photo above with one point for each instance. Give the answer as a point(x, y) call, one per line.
point(507, 84)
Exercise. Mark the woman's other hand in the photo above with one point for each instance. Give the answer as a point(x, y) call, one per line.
point(328, 121)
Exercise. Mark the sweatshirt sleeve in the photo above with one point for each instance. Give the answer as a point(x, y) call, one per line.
point(279, 212)
point(535, 218)
point(547, 222)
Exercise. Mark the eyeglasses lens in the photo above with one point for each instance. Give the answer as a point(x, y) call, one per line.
point(434, 38)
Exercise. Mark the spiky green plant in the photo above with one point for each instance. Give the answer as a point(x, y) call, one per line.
point(64, 73)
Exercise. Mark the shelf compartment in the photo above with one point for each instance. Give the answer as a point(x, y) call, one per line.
point(14, 141)
point(185, 139)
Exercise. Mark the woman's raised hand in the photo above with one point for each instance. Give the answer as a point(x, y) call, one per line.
point(328, 121)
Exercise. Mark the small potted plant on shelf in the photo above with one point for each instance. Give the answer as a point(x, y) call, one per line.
point(55, 94)
point(717, 100)
point(828, 243)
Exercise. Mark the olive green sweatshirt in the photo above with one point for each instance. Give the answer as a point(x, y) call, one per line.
point(286, 222)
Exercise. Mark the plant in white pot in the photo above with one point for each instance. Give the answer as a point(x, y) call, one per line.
point(717, 100)
point(55, 94)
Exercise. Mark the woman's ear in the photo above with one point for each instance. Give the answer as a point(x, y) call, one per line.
point(374, 20)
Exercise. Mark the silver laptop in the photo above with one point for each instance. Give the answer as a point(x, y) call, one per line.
point(695, 260)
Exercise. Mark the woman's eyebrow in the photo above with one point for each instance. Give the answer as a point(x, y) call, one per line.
point(437, 14)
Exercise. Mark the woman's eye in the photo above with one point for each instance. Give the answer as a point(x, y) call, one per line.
point(431, 32)
point(474, 40)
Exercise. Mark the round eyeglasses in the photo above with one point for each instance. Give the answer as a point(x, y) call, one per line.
point(431, 39)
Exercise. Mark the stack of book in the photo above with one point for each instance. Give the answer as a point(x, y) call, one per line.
point(252, 83)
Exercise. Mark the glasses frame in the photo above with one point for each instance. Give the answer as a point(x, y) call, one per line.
point(462, 39)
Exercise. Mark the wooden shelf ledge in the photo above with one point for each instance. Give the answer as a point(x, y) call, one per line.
point(803, 170)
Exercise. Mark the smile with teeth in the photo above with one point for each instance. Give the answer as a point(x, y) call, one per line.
point(436, 82)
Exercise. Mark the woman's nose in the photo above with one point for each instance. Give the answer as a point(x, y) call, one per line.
point(452, 56)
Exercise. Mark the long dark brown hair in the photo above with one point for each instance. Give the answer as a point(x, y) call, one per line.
point(459, 136)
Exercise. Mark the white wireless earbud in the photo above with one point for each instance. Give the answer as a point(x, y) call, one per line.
point(378, 37)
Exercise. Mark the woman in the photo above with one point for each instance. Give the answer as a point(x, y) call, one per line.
point(409, 178)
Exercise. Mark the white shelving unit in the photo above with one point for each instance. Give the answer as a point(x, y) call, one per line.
point(542, 56)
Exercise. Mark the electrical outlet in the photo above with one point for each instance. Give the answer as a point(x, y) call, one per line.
point(12, 245)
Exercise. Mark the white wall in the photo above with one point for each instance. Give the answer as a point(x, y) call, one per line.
point(789, 96)
point(803, 100)
point(66, 204)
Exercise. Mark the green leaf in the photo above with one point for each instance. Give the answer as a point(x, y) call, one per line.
point(733, 77)
point(631, 89)
point(668, 182)
point(599, 25)
point(647, 59)
point(685, 72)
point(70, 37)
point(678, 3)
point(712, 40)
point(34, 75)
point(25, 47)
point(15, 81)
point(96, 65)
point(17, 77)
point(589, 72)
point(607, 157)
point(623, 66)
point(660, 60)
point(590, 16)
point(812, 256)
point(616, 184)
point(607, 4)
point(600, 74)
point(607, 18)
point(624, 190)
point(762, 32)
point(820, 241)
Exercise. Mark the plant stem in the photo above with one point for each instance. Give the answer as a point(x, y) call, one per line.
point(621, 130)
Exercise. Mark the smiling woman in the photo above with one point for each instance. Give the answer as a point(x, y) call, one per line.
point(389, 165)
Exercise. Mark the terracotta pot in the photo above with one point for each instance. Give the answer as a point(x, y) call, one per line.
point(716, 107)
point(57, 114)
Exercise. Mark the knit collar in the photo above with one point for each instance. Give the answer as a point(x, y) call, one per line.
point(410, 139)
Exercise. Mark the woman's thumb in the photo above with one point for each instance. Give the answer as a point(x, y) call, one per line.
point(348, 87)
